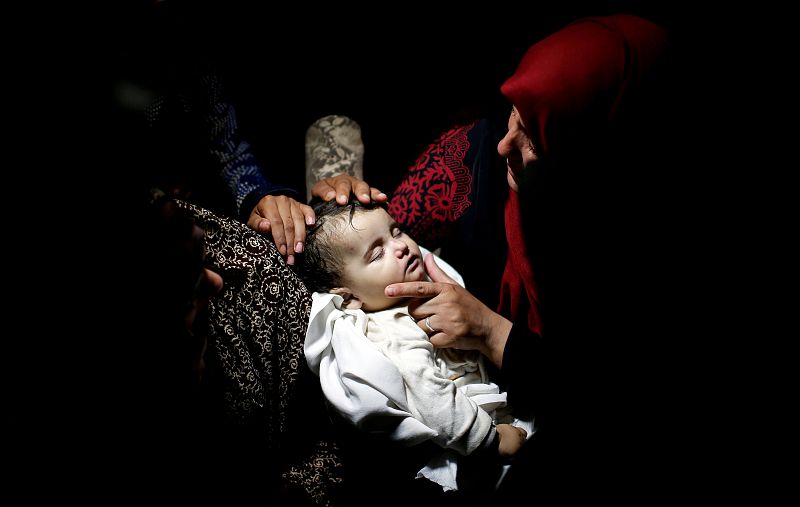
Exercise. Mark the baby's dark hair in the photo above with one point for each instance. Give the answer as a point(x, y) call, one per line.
point(321, 265)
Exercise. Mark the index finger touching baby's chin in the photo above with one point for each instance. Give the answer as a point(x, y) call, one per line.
point(393, 290)
point(411, 289)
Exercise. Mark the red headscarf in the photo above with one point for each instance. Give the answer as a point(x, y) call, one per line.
point(572, 82)
point(579, 76)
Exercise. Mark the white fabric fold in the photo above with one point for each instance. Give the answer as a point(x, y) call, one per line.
point(363, 385)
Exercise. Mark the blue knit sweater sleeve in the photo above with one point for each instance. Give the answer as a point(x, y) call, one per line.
point(240, 170)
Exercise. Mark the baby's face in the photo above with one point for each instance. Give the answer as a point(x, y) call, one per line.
point(376, 253)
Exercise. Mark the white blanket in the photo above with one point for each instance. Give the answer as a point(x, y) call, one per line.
point(366, 388)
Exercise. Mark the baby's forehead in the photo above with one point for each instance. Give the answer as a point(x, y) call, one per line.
point(364, 219)
point(372, 219)
point(364, 224)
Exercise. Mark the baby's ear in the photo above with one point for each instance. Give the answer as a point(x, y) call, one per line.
point(351, 301)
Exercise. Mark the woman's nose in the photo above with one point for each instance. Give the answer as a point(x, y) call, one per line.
point(504, 147)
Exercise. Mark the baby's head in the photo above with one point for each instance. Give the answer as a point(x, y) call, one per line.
point(356, 251)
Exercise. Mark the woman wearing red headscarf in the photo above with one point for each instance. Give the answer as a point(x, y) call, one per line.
point(581, 169)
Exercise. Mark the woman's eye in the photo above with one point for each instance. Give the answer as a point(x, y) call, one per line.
point(396, 232)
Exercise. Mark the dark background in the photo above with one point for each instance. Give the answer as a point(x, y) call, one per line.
point(404, 72)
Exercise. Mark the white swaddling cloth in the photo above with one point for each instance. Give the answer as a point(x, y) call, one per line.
point(367, 388)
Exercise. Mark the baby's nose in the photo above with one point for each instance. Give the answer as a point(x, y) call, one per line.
point(401, 249)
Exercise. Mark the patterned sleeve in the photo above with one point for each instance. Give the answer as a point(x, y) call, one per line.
point(241, 171)
point(256, 371)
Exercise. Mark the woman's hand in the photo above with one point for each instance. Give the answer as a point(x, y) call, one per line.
point(285, 219)
point(341, 185)
point(457, 318)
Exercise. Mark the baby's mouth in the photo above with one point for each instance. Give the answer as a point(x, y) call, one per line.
point(413, 262)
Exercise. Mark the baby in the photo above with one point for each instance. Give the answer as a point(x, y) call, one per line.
point(374, 359)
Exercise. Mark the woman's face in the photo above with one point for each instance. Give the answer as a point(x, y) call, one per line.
point(517, 148)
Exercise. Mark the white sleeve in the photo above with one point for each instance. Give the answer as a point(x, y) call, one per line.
point(434, 400)
point(358, 381)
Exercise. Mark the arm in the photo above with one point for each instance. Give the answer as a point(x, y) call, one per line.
point(463, 322)
point(266, 207)
point(435, 400)
point(240, 169)
point(460, 319)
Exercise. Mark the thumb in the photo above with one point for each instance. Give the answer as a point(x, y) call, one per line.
point(435, 272)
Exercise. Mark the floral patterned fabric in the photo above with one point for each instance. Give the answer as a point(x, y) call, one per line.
point(436, 191)
point(453, 198)
point(255, 355)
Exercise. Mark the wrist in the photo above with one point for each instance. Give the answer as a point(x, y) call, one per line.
point(496, 338)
